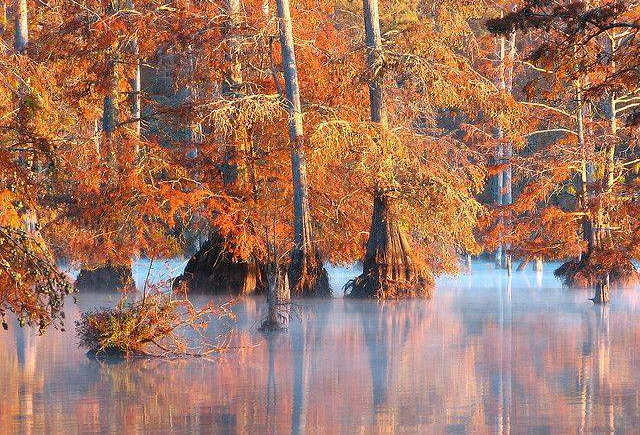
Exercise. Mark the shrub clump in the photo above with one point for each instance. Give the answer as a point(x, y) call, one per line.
point(160, 324)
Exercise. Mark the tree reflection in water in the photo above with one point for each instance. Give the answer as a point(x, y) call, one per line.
point(496, 357)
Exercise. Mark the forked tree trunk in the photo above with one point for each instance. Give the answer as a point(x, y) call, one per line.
point(307, 274)
point(388, 270)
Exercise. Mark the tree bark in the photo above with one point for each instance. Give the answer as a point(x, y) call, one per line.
point(307, 274)
point(375, 61)
point(214, 270)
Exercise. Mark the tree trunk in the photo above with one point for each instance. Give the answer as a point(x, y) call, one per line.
point(587, 225)
point(233, 77)
point(235, 155)
point(375, 61)
point(22, 27)
point(108, 276)
point(136, 106)
point(278, 300)
point(110, 111)
point(523, 265)
point(611, 144)
point(538, 267)
point(28, 159)
point(389, 270)
point(3, 17)
point(504, 150)
point(307, 274)
point(580, 272)
point(603, 292)
point(212, 268)
point(498, 201)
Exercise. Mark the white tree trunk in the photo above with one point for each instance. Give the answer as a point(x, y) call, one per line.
point(307, 272)
point(22, 27)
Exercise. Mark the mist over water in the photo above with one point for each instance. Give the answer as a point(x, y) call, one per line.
point(487, 354)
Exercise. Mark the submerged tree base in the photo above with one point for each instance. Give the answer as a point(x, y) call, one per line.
point(278, 301)
point(591, 271)
point(214, 270)
point(307, 276)
point(105, 278)
point(603, 293)
point(368, 286)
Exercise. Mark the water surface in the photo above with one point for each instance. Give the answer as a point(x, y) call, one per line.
point(487, 354)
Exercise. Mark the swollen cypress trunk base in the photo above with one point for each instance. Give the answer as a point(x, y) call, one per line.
point(214, 270)
point(105, 278)
point(308, 276)
point(589, 270)
point(389, 271)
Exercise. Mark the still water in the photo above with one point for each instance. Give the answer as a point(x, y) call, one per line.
point(487, 354)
